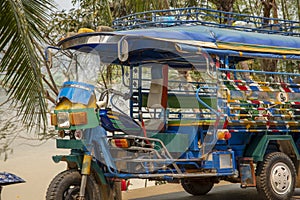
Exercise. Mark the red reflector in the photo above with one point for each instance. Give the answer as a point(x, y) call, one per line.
point(227, 135)
point(121, 143)
point(124, 185)
point(223, 134)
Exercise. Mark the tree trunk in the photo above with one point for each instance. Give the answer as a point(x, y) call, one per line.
point(283, 2)
point(298, 3)
point(268, 5)
point(224, 5)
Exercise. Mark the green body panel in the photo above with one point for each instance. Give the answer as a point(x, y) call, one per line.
point(173, 142)
point(92, 118)
point(184, 101)
point(259, 145)
point(77, 160)
point(99, 172)
point(70, 144)
point(68, 158)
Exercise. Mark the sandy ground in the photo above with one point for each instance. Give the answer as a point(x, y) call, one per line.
point(34, 164)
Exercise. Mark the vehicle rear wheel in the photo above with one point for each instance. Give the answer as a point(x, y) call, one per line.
point(275, 177)
point(66, 186)
point(197, 187)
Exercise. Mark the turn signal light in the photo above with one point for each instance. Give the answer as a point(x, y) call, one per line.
point(121, 143)
point(53, 119)
point(223, 134)
point(78, 118)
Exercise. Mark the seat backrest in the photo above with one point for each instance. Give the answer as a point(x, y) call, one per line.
point(158, 93)
point(158, 98)
point(155, 97)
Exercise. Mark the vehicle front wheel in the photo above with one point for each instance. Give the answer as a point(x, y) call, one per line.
point(197, 187)
point(275, 177)
point(66, 186)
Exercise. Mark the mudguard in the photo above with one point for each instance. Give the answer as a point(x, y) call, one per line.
point(258, 146)
point(75, 161)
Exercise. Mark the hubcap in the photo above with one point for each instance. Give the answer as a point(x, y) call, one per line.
point(72, 193)
point(281, 178)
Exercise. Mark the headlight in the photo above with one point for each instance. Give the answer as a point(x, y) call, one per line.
point(63, 120)
point(66, 119)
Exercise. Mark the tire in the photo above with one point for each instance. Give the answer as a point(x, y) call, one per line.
point(275, 177)
point(117, 193)
point(197, 187)
point(66, 186)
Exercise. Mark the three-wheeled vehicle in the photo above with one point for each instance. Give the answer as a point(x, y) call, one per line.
point(189, 101)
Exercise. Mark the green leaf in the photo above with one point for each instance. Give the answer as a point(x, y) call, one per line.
point(22, 24)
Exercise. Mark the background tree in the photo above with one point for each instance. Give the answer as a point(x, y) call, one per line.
point(92, 13)
point(224, 5)
point(22, 27)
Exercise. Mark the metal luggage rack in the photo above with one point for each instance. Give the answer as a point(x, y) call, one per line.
point(207, 17)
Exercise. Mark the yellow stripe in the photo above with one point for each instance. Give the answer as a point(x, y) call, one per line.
point(189, 123)
point(112, 117)
point(192, 124)
point(237, 46)
point(257, 48)
point(266, 88)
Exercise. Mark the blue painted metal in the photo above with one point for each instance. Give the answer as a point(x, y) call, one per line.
point(76, 92)
point(193, 40)
point(204, 16)
point(216, 36)
point(204, 104)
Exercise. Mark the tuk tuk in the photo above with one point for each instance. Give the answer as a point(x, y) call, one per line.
point(189, 102)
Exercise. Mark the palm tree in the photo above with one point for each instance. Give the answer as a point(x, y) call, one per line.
point(22, 23)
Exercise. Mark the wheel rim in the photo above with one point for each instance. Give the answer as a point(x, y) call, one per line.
point(281, 178)
point(72, 193)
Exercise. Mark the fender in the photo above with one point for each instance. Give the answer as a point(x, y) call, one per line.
point(257, 148)
point(75, 159)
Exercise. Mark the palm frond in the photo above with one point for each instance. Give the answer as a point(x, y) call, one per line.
point(22, 23)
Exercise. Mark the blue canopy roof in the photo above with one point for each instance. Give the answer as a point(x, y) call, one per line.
point(193, 38)
point(222, 38)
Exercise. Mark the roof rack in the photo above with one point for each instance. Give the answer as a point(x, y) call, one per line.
point(207, 17)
